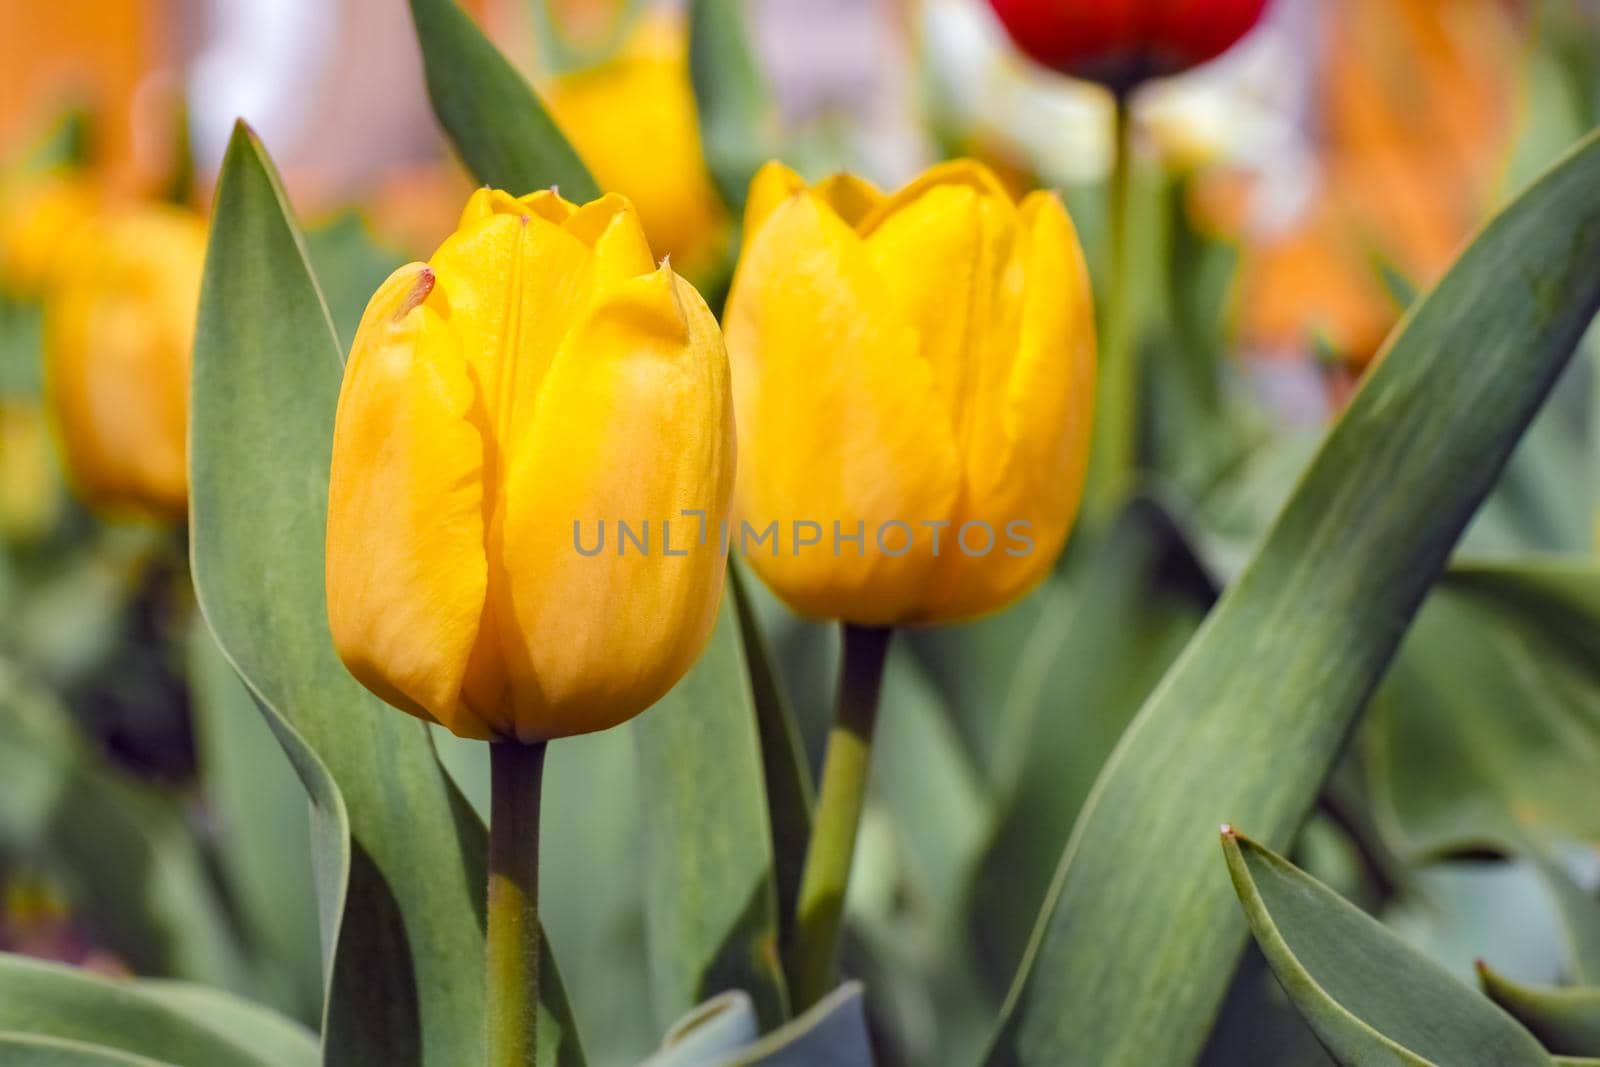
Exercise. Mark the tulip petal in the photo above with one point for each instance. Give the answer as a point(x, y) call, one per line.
point(632, 425)
point(1029, 464)
point(772, 185)
point(611, 228)
point(946, 247)
point(853, 198)
point(405, 559)
point(515, 282)
point(838, 417)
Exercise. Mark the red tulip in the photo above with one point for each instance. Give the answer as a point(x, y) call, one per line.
point(1122, 42)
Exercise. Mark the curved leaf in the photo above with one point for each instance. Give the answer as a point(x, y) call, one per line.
point(1249, 720)
point(1567, 1019)
point(59, 1052)
point(502, 131)
point(400, 856)
point(48, 1000)
point(262, 831)
point(1371, 998)
point(250, 1024)
point(722, 1025)
point(790, 794)
point(711, 908)
point(833, 1031)
point(722, 1033)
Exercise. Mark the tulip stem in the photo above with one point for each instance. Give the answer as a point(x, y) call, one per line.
point(516, 775)
point(826, 876)
point(1117, 414)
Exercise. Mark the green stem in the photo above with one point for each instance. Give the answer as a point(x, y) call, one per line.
point(826, 876)
point(516, 774)
point(1117, 408)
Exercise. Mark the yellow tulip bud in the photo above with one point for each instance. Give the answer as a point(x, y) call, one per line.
point(118, 324)
point(633, 120)
point(506, 406)
point(914, 378)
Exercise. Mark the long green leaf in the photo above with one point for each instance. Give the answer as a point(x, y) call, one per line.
point(400, 856)
point(262, 828)
point(494, 118)
point(38, 1051)
point(51, 1001)
point(1371, 998)
point(711, 905)
point(1140, 924)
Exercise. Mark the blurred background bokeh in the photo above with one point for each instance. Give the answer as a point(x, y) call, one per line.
point(1305, 186)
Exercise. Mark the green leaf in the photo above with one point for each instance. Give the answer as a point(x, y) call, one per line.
point(49, 1000)
point(833, 1031)
point(1567, 1020)
point(1250, 719)
point(722, 1025)
point(1371, 998)
point(399, 854)
point(59, 1052)
point(263, 831)
point(721, 1033)
point(738, 116)
point(119, 847)
point(790, 794)
point(496, 121)
point(710, 907)
point(250, 1024)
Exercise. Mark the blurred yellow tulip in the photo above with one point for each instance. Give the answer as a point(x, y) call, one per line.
point(538, 377)
point(914, 379)
point(37, 217)
point(119, 319)
point(633, 120)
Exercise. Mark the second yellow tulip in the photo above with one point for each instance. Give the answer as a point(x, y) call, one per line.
point(915, 370)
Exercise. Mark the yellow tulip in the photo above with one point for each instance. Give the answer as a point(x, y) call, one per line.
point(537, 377)
point(118, 324)
point(633, 120)
point(37, 218)
point(913, 377)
